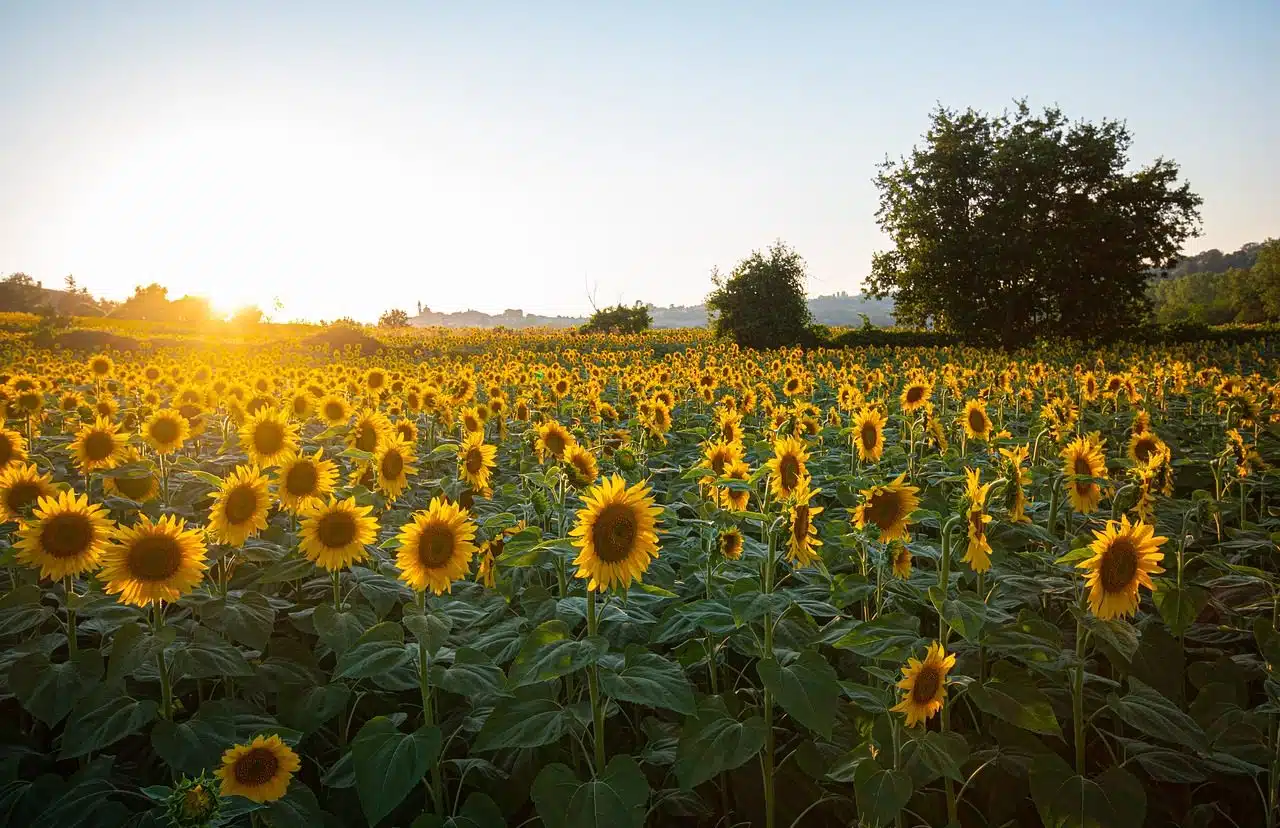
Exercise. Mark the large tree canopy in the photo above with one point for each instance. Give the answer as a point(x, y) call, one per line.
point(1005, 227)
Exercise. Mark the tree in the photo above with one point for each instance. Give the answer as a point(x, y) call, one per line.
point(761, 304)
point(19, 292)
point(394, 318)
point(619, 319)
point(1006, 227)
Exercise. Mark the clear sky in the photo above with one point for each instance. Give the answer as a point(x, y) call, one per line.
point(352, 157)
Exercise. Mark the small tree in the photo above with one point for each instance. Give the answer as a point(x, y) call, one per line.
point(619, 319)
point(761, 304)
point(394, 318)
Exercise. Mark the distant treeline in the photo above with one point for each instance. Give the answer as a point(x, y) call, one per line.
point(1214, 288)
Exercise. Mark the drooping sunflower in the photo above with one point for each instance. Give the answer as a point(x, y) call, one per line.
point(977, 425)
point(978, 552)
point(333, 535)
point(868, 434)
point(66, 536)
point(802, 541)
point(580, 464)
point(369, 431)
point(99, 446)
point(154, 561)
point(476, 461)
point(1125, 556)
point(303, 481)
point(436, 547)
point(888, 507)
point(21, 487)
point(166, 431)
point(259, 771)
point(13, 448)
point(395, 459)
point(269, 437)
point(240, 510)
point(787, 466)
point(900, 555)
point(553, 440)
point(731, 542)
point(925, 685)
point(617, 533)
point(1082, 458)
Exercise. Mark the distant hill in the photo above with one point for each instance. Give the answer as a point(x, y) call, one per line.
point(836, 309)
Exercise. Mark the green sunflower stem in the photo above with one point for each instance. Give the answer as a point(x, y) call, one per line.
point(1077, 694)
point(166, 691)
point(72, 639)
point(593, 686)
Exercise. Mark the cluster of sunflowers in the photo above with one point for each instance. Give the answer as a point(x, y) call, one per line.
point(641, 567)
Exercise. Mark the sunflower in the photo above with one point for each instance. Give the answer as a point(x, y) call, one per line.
point(395, 459)
point(476, 461)
point(1124, 556)
point(369, 431)
point(303, 481)
point(259, 771)
point(888, 508)
point(915, 396)
point(787, 466)
point(1082, 458)
point(978, 552)
point(66, 536)
point(553, 440)
point(240, 510)
point(900, 556)
point(731, 542)
point(1143, 445)
point(925, 683)
point(436, 546)
point(333, 411)
point(21, 487)
point(803, 538)
point(166, 431)
point(617, 533)
point(334, 534)
point(581, 466)
point(977, 425)
point(732, 498)
point(99, 446)
point(154, 561)
point(13, 448)
point(269, 437)
point(868, 431)
point(1015, 496)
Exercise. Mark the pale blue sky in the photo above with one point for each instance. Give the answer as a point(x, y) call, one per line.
point(349, 158)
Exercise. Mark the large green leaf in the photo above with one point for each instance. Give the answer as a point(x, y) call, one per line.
point(712, 741)
point(649, 679)
point(1011, 695)
point(614, 799)
point(807, 688)
point(389, 763)
point(1064, 799)
point(48, 691)
point(380, 650)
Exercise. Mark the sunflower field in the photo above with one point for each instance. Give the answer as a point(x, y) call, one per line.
point(563, 580)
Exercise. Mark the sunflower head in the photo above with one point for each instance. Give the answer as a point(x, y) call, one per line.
point(154, 561)
point(259, 771)
point(66, 536)
point(617, 533)
point(436, 547)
